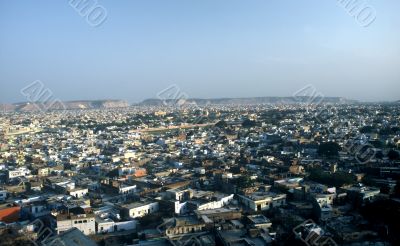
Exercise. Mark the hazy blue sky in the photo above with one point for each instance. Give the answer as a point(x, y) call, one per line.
point(210, 48)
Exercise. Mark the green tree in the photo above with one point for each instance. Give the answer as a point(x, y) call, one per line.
point(337, 179)
point(393, 155)
point(329, 149)
point(221, 124)
point(244, 181)
point(367, 129)
point(248, 123)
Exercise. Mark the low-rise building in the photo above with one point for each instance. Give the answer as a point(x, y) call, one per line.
point(84, 222)
point(183, 225)
point(3, 195)
point(78, 192)
point(259, 221)
point(138, 209)
point(260, 201)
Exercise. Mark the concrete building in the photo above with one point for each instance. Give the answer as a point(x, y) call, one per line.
point(260, 201)
point(104, 225)
point(78, 192)
point(84, 222)
point(259, 221)
point(19, 172)
point(138, 209)
point(183, 225)
point(3, 195)
point(127, 189)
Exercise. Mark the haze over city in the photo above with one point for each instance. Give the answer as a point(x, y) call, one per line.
point(210, 49)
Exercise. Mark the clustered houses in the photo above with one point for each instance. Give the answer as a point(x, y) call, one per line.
point(215, 175)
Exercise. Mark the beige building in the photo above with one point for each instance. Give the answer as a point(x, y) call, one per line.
point(183, 225)
point(260, 201)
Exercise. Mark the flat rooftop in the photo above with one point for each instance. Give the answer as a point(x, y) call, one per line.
point(258, 219)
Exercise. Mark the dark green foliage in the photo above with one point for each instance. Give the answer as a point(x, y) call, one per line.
point(221, 124)
point(244, 181)
point(149, 168)
point(379, 155)
point(377, 143)
point(337, 179)
point(329, 149)
point(385, 212)
point(112, 173)
point(388, 130)
point(393, 155)
point(248, 123)
point(397, 189)
point(109, 150)
point(367, 129)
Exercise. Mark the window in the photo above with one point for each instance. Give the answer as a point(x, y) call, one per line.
point(85, 221)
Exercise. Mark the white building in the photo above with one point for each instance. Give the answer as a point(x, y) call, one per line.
point(219, 202)
point(78, 192)
point(181, 207)
point(64, 185)
point(19, 172)
point(104, 225)
point(84, 222)
point(126, 170)
point(260, 201)
point(179, 194)
point(139, 209)
point(200, 170)
point(37, 209)
point(324, 199)
point(125, 225)
point(127, 189)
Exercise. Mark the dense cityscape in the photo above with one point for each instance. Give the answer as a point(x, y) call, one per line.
point(199, 123)
point(186, 174)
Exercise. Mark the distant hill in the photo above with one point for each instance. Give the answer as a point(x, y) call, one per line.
point(250, 101)
point(83, 104)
